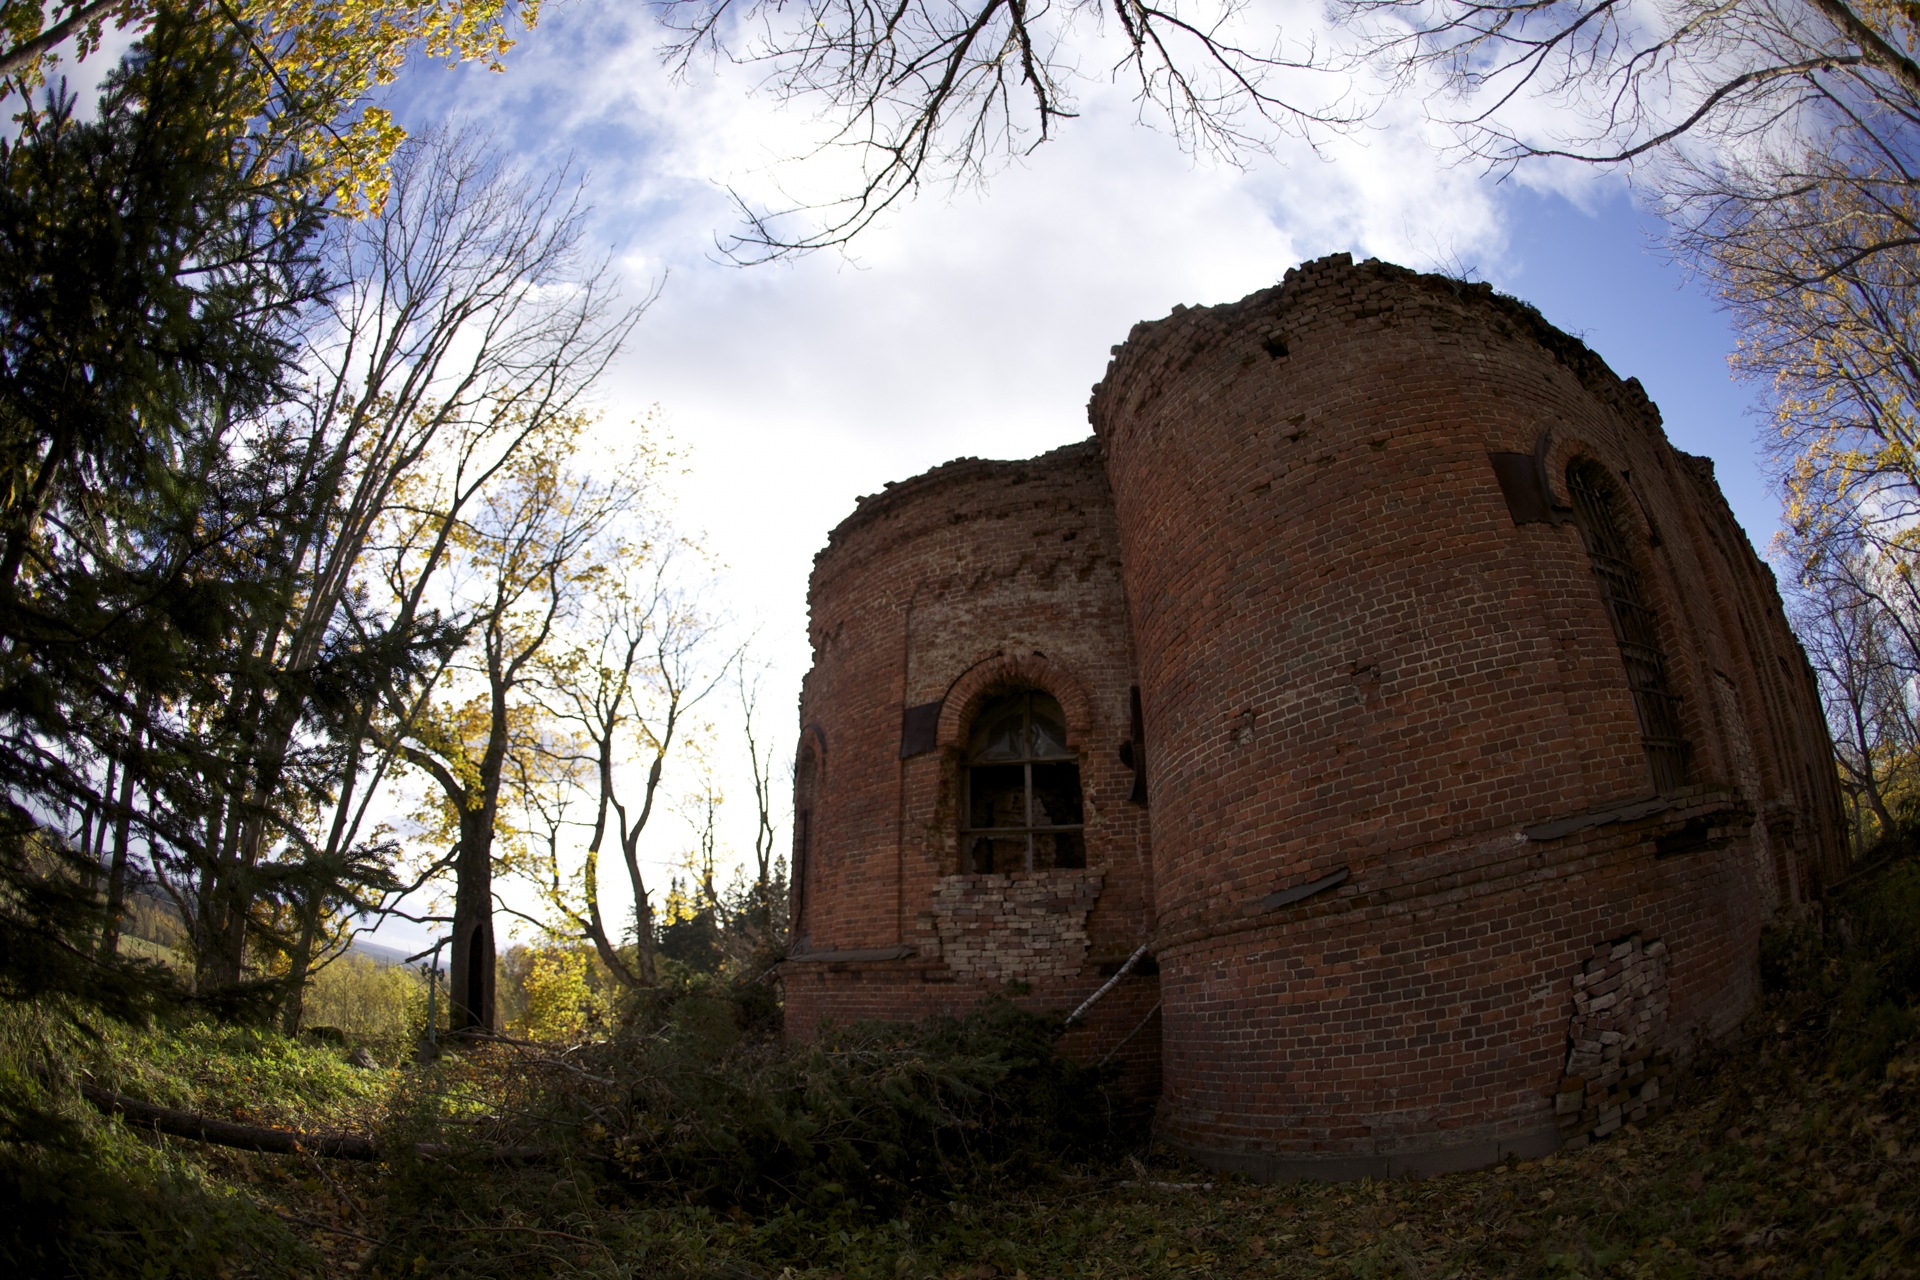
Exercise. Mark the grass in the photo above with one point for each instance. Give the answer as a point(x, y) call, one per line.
point(1795, 1153)
point(1763, 1168)
point(242, 1073)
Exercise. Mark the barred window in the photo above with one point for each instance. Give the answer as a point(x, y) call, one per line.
point(1596, 510)
point(1021, 789)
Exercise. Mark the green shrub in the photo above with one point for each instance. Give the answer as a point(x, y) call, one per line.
point(371, 1002)
point(690, 1134)
point(567, 995)
point(860, 1120)
point(1873, 978)
point(1856, 971)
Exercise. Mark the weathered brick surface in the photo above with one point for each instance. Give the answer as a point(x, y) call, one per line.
point(1398, 791)
point(972, 579)
point(1027, 926)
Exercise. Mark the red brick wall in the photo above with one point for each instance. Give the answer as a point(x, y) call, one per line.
point(972, 579)
point(1353, 657)
point(1362, 675)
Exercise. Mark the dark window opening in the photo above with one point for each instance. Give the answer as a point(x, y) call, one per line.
point(1133, 752)
point(1596, 510)
point(1021, 789)
point(806, 773)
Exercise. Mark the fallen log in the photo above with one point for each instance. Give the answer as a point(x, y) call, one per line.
point(286, 1142)
point(229, 1133)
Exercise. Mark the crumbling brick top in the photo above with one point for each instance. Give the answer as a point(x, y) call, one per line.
point(1335, 289)
point(898, 495)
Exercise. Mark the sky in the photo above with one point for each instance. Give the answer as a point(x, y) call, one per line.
point(975, 322)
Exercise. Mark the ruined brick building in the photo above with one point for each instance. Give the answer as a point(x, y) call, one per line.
point(1382, 670)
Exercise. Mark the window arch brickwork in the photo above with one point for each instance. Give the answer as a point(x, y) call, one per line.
point(1636, 627)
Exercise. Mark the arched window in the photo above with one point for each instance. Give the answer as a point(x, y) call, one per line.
point(1596, 510)
point(806, 787)
point(1021, 788)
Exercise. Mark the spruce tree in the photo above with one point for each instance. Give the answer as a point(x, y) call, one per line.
point(152, 259)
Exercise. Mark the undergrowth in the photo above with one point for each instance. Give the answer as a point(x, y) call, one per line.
point(85, 1197)
point(694, 1145)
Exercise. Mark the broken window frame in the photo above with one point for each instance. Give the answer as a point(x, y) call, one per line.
point(1636, 625)
point(1032, 829)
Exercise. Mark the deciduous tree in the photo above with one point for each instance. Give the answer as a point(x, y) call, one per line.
point(925, 91)
point(642, 660)
point(307, 69)
point(463, 337)
point(524, 552)
point(1848, 621)
point(463, 326)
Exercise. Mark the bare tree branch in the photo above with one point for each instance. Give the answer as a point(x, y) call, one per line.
point(939, 91)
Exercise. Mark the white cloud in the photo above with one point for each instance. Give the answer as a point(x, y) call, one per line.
point(966, 325)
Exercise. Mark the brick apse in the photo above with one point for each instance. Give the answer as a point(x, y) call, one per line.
point(1382, 670)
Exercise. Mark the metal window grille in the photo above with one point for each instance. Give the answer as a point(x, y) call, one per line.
point(1596, 510)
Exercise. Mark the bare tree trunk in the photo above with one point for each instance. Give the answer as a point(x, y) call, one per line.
point(93, 823)
point(1869, 785)
point(763, 810)
point(122, 837)
point(643, 638)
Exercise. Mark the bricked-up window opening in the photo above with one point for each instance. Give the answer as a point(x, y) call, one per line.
point(1596, 510)
point(1022, 789)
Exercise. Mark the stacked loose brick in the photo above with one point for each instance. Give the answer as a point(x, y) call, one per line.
point(1398, 793)
point(1614, 1065)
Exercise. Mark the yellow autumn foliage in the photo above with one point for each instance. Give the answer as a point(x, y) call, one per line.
point(368, 1000)
point(329, 57)
point(312, 72)
point(563, 1002)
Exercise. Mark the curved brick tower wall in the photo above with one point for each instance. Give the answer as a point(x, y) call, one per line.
point(1419, 904)
point(975, 578)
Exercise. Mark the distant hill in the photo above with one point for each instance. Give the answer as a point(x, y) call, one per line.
point(152, 929)
point(380, 952)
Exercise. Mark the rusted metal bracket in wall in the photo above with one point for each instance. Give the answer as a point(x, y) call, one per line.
point(1526, 485)
point(1300, 892)
point(1271, 902)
